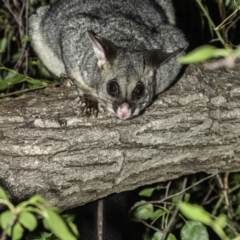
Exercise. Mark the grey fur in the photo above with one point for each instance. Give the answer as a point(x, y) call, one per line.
point(95, 42)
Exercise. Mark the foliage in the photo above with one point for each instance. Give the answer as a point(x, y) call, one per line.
point(170, 215)
point(229, 52)
point(24, 216)
point(15, 51)
point(17, 78)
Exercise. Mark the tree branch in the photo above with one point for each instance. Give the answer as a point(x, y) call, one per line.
point(192, 127)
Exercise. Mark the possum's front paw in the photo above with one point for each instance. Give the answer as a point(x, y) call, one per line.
point(88, 106)
point(85, 104)
point(65, 80)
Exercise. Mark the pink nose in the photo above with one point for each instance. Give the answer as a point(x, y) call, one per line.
point(124, 111)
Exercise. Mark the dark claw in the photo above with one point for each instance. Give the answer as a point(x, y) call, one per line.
point(65, 80)
point(88, 106)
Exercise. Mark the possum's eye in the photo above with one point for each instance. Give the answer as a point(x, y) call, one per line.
point(112, 88)
point(138, 91)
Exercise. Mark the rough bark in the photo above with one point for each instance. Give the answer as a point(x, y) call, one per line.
point(192, 127)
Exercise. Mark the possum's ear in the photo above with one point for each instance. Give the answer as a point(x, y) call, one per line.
point(154, 58)
point(105, 50)
point(163, 65)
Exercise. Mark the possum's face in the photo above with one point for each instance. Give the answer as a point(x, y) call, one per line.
point(126, 81)
point(126, 88)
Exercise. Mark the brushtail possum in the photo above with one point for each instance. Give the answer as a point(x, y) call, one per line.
point(121, 54)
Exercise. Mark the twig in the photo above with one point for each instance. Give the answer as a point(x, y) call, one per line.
point(173, 217)
point(207, 195)
point(173, 195)
point(166, 193)
point(26, 50)
point(147, 224)
point(229, 27)
point(10, 10)
point(28, 90)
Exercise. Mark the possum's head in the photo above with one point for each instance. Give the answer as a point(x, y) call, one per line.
point(127, 81)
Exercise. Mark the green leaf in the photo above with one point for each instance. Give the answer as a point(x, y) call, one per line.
point(220, 221)
point(33, 236)
point(156, 214)
point(5, 219)
point(29, 209)
point(3, 45)
point(186, 197)
point(144, 212)
point(17, 78)
point(36, 199)
point(171, 237)
point(40, 236)
point(195, 213)
point(26, 38)
point(73, 228)
point(36, 63)
point(194, 231)
point(223, 52)
point(199, 54)
point(157, 236)
point(176, 199)
point(17, 232)
point(218, 227)
point(3, 85)
point(69, 218)
point(3, 195)
point(34, 81)
point(47, 236)
point(57, 225)
point(28, 220)
point(45, 224)
point(146, 192)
